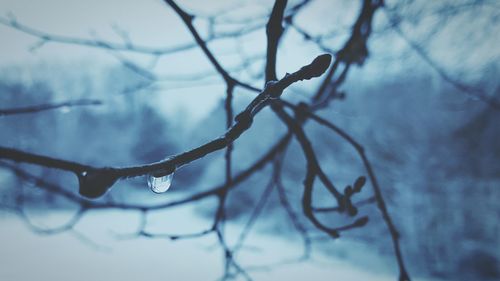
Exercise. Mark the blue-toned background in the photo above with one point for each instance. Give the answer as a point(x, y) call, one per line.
point(434, 145)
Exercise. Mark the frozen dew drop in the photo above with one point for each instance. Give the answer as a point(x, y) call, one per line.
point(160, 184)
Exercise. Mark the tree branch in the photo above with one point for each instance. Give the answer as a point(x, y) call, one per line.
point(48, 106)
point(94, 182)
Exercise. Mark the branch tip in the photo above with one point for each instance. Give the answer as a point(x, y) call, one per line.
point(317, 67)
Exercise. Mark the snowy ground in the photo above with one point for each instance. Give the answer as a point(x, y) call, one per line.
point(25, 256)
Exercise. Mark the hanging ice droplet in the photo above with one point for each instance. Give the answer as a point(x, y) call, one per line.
point(160, 184)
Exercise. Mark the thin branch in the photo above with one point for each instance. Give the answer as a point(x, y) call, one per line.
point(188, 21)
point(422, 53)
point(338, 209)
point(301, 229)
point(376, 188)
point(311, 173)
point(48, 106)
point(257, 210)
point(19, 211)
point(274, 30)
point(173, 237)
point(46, 37)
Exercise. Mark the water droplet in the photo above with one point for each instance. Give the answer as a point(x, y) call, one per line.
point(160, 183)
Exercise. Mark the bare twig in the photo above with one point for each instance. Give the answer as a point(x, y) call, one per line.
point(424, 55)
point(48, 106)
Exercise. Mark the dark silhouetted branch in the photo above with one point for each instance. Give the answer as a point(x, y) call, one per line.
point(94, 182)
point(377, 190)
point(274, 30)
